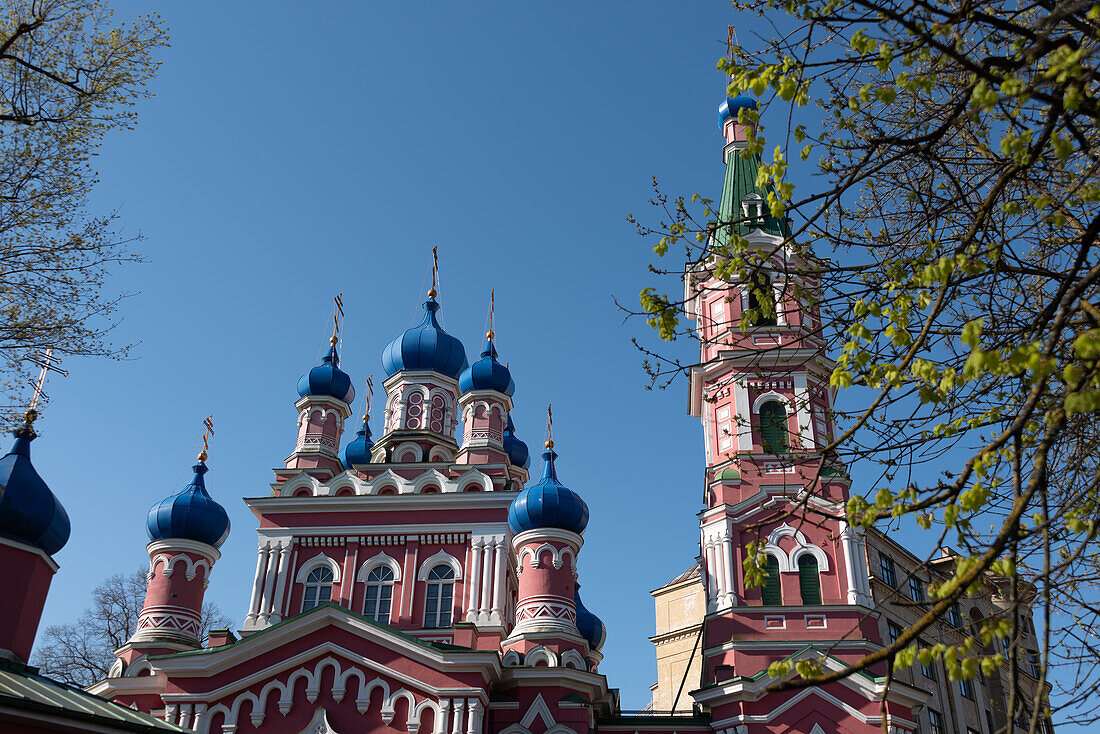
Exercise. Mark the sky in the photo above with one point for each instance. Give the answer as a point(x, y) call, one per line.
point(294, 151)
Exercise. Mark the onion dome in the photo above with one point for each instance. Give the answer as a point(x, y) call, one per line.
point(732, 105)
point(328, 379)
point(425, 347)
point(589, 625)
point(518, 453)
point(548, 503)
point(358, 451)
point(487, 373)
point(192, 514)
point(29, 511)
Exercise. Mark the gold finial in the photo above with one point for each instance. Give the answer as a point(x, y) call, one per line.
point(337, 313)
point(492, 305)
point(435, 271)
point(48, 363)
point(370, 392)
point(549, 426)
point(208, 422)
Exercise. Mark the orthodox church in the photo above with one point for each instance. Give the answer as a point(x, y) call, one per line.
point(421, 584)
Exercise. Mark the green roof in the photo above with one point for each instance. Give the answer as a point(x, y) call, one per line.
point(740, 182)
point(21, 687)
point(730, 472)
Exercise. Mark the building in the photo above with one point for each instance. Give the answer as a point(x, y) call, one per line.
point(417, 583)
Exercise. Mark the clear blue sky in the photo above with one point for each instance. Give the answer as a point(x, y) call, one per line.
point(296, 150)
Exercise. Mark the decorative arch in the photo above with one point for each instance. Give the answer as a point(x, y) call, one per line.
point(405, 449)
point(299, 483)
point(380, 559)
point(540, 654)
point(432, 477)
point(439, 454)
point(769, 396)
point(312, 563)
point(573, 659)
point(789, 561)
point(433, 561)
point(471, 476)
point(511, 659)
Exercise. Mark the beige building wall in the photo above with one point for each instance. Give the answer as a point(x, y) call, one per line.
point(680, 606)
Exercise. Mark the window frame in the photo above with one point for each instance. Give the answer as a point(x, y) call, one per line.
point(777, 422)
point(936, 722)
point(379, 585)
point(916, 590)
point(888, 571)
point(966, 688)
point(317, 585)
point(439, 591)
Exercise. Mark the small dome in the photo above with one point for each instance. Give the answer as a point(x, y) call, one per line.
point(732, 105)
point(425, 347)
point(487, 373)
point(358, 451)
point(29, 511)
point(548, 504)
point(517, 450)
point(192, 515)
point(589, 625)
point(327, 379)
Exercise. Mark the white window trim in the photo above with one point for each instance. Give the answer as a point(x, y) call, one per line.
point(440, 557)
point(380, 559)
point(312, 563)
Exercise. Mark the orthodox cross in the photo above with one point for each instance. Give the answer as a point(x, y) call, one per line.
point(46, 361)
point(435, 271)
point(370, 392)
point(492, 304)
point(208, 422)
point(549, 426)
point(337, 313)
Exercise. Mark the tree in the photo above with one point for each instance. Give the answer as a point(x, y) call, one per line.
point(82, 652)
point(950, 242)
point(69, 75)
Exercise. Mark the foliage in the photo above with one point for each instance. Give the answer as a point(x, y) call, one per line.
point(69, 75)
point(949, 247)
point(82, 652)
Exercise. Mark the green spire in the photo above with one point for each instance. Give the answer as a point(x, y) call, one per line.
point(740, 183)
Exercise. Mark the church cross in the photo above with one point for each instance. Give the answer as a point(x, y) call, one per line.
point(46, 361)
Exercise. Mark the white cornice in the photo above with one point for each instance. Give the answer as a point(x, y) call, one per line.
point(183, 544)
point(594, 684)
point(497, 499)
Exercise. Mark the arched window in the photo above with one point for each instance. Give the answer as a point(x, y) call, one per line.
point(440, 596)
point(318, 588)
point(772, 593)
point(809, 580)
point(376, 604)
point(773, 428)
point(762, 300)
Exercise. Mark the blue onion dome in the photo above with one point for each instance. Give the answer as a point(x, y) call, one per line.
point(518, 453)
point(589, 625)
point(358, 451)
point(328, 379)
point(732, 105)
point(192, 514)
point(487, 373)
point(29, 511)
point(548, 503)
point(425, 347)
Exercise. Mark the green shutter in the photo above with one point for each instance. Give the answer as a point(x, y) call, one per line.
point(773, 428)
point(773, 595)
point(809, 580)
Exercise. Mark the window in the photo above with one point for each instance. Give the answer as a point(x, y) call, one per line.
point(966, 688)
point(989, 721)
point(318, 588)
point(1033, 663)
point(1006, 644)
point(762, 300)
point(935, 722)
point(886, 570)
point(893, 631)
point(916, 590)
point(954, 616)
point(440, 596)
point(376, 604)
point(772, 593)
point(928, 670)
point(773, 428)
point(809, 580)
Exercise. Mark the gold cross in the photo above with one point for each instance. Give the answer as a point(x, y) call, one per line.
point(337, 312)
point(46, 361)
point(549, 426)
point(492, 305)
point(370, 392)
point(435, 272)
point(208, 422)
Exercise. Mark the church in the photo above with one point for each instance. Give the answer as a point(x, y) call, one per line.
point(425, 581)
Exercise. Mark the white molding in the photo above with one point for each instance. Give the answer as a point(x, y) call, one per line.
point(400, 449)
point(770, 395)
point(318, 560)
point(789, 562)
point(557, 535)
point(379, 559)
point(187, 546)
point(432, 561)
point(572, 659)
point(543, 654)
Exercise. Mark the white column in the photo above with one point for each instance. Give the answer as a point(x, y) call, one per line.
point(441, 717)
point(257, 586)
point(486, 579)
point(500, 582)
point(170, 714)
point(712, 575)
point(457, 715)
point(802, 409)
point(269, 587)
point(719, 572)
point(727, 556)
point(744, 411)
point(473, 580)
point(280, 583)
point(200, 716)
point(476, 712)
point(849, 547)
point(185, 715)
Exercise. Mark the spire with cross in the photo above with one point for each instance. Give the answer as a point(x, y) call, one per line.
point(208, 423)
point(48, 363)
